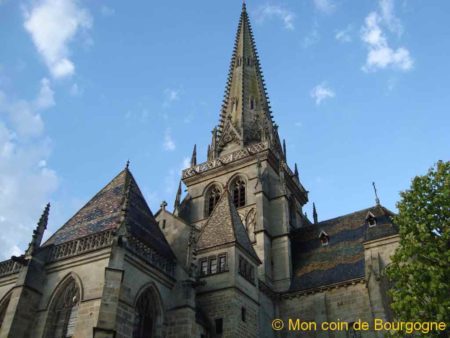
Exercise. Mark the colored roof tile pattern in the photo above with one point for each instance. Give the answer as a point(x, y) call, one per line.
point(105, 212)
point(342, 259)
point(224, 226)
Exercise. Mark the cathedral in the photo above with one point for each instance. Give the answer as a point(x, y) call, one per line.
point(237, 256)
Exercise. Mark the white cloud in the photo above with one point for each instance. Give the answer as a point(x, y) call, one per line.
point(26, 182)
point(268, 12)
point(387, 12)
point(169, 143)
point(380, 54)
point(45, 98)
point(344, 35)
point(321, 92)
point(324, 6)
point(24, 115)
point(170, 96)
point(52, 25)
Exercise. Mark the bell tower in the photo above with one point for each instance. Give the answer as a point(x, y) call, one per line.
point(246, 160)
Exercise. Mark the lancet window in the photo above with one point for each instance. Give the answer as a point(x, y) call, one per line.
point(238, 191)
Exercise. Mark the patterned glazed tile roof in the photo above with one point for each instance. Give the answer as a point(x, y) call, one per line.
point(342, 259)
point(224, 226)
point(105, 212)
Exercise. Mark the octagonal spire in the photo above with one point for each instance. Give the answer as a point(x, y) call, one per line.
point(245, 116)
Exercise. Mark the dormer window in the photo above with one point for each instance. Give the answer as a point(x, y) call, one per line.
point(324, 238)
point(371, 220)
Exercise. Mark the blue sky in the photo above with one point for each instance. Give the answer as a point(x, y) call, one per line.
point(360, 90)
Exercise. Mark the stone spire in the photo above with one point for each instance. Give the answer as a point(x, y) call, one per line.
point(194, 156)
point(245, 116)
point(38, 233)
point(296, 172)
point(315, 214)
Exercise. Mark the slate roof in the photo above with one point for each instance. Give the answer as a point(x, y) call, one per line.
point(105, 212)
point(224, 226)
point(342, 259)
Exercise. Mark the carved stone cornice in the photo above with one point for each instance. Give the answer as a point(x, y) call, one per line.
point(225, 159)
point(81, 246)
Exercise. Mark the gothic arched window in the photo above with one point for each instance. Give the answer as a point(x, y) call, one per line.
point(213, 197)
point(63, 315)
point(3, 307)
point(238, 191)
point(146, 313)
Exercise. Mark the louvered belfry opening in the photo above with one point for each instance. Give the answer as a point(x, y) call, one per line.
point(238, 189)
point(213, 198)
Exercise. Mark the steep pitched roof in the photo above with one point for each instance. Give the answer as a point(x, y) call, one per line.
point(245, 116)
point(119, 202)
point(224, 226)
point(342, 259)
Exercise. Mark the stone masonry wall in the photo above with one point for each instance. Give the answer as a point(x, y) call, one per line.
point(227, 304)
point(344, 304)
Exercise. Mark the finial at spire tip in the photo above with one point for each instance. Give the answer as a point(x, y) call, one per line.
point(127, 166)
